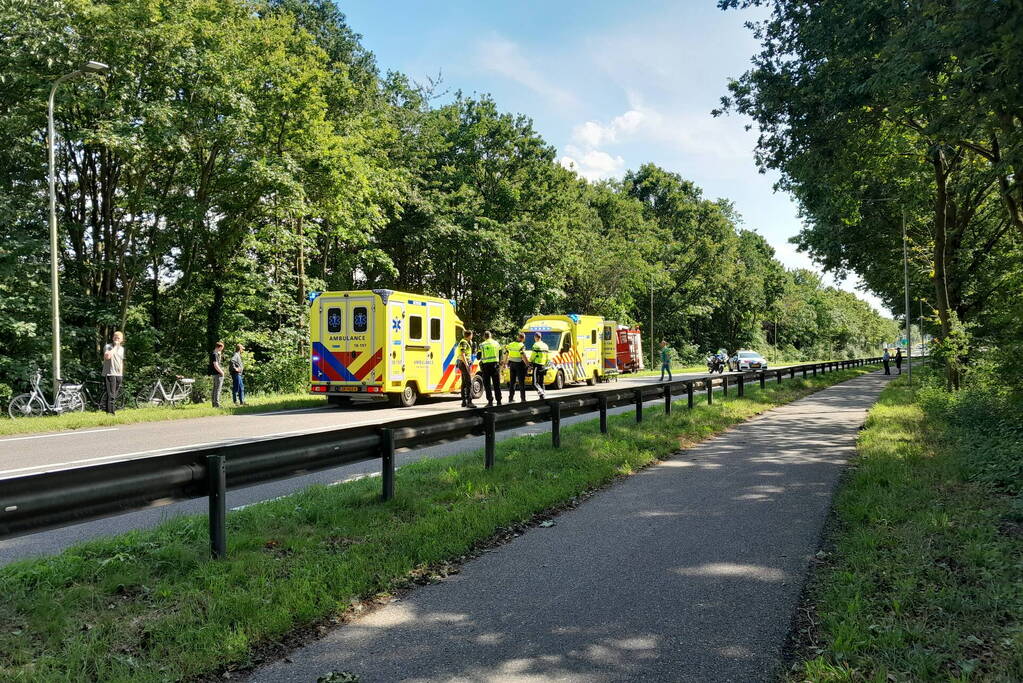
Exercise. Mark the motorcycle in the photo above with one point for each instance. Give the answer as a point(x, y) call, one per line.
point(715, 363)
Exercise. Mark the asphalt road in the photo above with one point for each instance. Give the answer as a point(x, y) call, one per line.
point(33, 453)
point(689, 571)
point(56, 540)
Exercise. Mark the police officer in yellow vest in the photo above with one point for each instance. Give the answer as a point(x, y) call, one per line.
point(490, 367)
point(517, 362)
point(465, 368)
point(538, 358)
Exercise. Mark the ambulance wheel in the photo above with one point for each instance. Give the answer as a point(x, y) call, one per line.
point(593, 380)
point(339, 401)
point(406, 399)
point(559, 380)
point(477, 386)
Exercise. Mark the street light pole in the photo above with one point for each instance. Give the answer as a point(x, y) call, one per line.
point(651, 320)
point(88, 67)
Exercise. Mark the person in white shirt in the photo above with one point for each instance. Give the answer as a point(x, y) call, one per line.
point(113, 371)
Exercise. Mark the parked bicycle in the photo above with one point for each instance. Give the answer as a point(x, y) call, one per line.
point(33, 404)
point(155, 394)
point(95, 395)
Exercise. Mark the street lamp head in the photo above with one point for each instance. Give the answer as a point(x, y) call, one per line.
point(95, 67)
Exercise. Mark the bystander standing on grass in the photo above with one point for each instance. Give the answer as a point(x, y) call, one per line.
point(237, 382)
point(216, 371)
point(113, 371)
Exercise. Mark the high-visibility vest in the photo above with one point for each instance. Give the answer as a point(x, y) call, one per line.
point(539, 356)
point(465, 348)
point(490, 351)
point(515, 351)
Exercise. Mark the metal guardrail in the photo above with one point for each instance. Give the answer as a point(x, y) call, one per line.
point(40, 501)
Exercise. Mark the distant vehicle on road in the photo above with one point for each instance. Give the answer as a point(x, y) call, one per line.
point(745, 360)
point(716, 362)
point(382, 343)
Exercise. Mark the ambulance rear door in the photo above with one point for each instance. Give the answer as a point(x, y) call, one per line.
point(348, 352)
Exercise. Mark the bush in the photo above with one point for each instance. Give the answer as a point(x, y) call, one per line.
point(985, 421)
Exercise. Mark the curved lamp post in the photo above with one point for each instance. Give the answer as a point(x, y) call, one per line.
point(88, 68)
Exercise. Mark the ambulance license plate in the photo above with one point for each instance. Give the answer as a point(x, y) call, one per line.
point(349, 388)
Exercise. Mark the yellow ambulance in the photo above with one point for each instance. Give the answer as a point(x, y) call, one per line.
point(382, 343)
point(577, 347)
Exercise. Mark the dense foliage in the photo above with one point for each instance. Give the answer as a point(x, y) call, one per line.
point(243, 153)
point(878, 113)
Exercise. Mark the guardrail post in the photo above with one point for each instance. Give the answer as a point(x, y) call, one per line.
point(638, 393)
point(709, 384)
point(742, 385)
point(602, 405)
point(216, 472)
point(667, 399)
point(724, 385)
point(779, 374)
point(555, 424)
point(814, 369)
point(490, 439)
point(804, 372)
point(792, 373)
point(689, 393)
point(763, 379)
point(387, 461)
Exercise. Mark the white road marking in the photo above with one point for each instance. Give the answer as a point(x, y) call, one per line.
point(49, 436)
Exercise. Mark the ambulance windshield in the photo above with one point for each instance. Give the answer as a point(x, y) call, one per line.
point(551, 338)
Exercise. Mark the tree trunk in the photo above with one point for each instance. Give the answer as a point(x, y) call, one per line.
point(939, 278)
point(215, 313)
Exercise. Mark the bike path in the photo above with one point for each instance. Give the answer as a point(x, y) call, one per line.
point(690, 570)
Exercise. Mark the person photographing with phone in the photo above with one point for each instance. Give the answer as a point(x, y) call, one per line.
point(113, 371)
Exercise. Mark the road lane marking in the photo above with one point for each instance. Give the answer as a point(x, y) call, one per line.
point(48, 436)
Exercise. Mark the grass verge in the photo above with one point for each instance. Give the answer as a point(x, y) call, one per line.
point(922, 573)
point(152, 606)
point(254, 404)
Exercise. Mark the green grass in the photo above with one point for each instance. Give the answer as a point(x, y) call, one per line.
point(85, 420)
point(925, 581)
point(152, 606)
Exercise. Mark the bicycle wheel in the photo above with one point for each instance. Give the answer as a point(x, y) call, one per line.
point(26, 405)
point(75, 403)
point(147, 397)
point(126, 400)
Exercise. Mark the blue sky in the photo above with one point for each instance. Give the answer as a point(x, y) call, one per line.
point(612, 85)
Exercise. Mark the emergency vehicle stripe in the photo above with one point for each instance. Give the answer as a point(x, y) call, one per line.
point(331, 365)
point(370, 364)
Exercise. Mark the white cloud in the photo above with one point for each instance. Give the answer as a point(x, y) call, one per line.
point(707, 142)
point(504, 57)
point(595, 134)
point(592, 164)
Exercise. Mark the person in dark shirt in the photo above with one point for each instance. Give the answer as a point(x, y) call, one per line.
point(217, 372)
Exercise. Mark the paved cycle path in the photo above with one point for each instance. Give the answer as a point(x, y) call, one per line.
point(689, 571)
